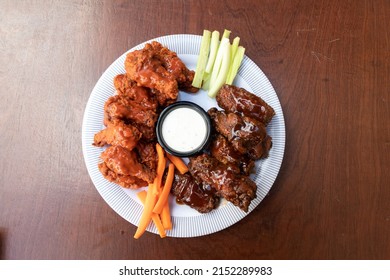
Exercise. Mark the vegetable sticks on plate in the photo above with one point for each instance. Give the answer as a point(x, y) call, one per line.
point(156, 198)
point(223, 61)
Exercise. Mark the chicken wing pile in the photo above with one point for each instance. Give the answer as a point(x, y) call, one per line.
point(154, 75)
point(240, 138)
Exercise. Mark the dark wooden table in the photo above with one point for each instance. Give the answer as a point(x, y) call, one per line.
point(328, 62)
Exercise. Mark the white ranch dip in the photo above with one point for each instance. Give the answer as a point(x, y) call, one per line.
point(184, 129)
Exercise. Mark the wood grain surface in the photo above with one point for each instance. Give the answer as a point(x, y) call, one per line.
point(328, 62)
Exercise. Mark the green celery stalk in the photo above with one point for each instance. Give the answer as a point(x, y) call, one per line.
point(239, 56)
point(213, 51)
point(218, 61)
point(224, 53)
point(206, 81)
point(235, 44)
point(226, 34)
point(202, 59)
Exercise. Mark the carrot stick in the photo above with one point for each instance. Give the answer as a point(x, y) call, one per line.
point(166, 216)
point(156, 219)
point(178, 162)
point(160, 167)
point(150, 201)
point(163, 197)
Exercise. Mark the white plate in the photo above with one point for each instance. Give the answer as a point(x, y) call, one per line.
point(186, 221)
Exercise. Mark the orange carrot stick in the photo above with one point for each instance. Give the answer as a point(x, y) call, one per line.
point(163, 197)
point(178, 162)
point(166, 216)
point(150, 202)
point(156, 219)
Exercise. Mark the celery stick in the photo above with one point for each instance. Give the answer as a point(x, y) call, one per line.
point(235, 44)
point(206, 81)
point(213, 50)
point(218, 60)
point(202, 59)
point(225, 48)
point(235, 65)
point(226, 34)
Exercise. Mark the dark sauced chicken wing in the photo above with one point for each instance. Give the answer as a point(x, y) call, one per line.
point(234, 99)
point(261, 150)
point(125, 162)
point(195, 194)
point(118, 133)
point(236, 188)
point(222, 150)
point(242, 132)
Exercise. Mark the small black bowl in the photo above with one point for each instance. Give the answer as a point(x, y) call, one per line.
point(183, 104)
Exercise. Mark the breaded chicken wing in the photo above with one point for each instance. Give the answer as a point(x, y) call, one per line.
point(118, 133)
point(158, 68)
point(147, 154)
point(125, 162)
point(141, 95)
point(175, 66)
point(122, 107)
point(126, 181)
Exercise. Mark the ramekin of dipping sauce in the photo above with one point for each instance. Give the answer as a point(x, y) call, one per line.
point(183, 129)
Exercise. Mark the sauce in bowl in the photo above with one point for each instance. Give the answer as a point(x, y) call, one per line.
point(183, 129)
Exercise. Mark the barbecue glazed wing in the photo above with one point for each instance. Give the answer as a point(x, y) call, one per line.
point(125, 162)
point(118, 133)
point(261, 150)
point(193, 193)
point(236, 188)
point(223, 151)
point(234, 99)
point(242, 132)
point(126, 181)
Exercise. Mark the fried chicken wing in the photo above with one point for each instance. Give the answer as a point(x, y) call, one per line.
point(236, 188)
point(175, 66)
point(125, 162)
point(147, 154)
point(122, 107)
point(141, 95)
point(126, 181)
point(222, 150)
point(235, 99)
point(119, 134)
point(148, 133)
point(147, 69)
point(241, 131)
point(261, 150)
point(122, 83)
point(193, 193)
point(158, 68)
